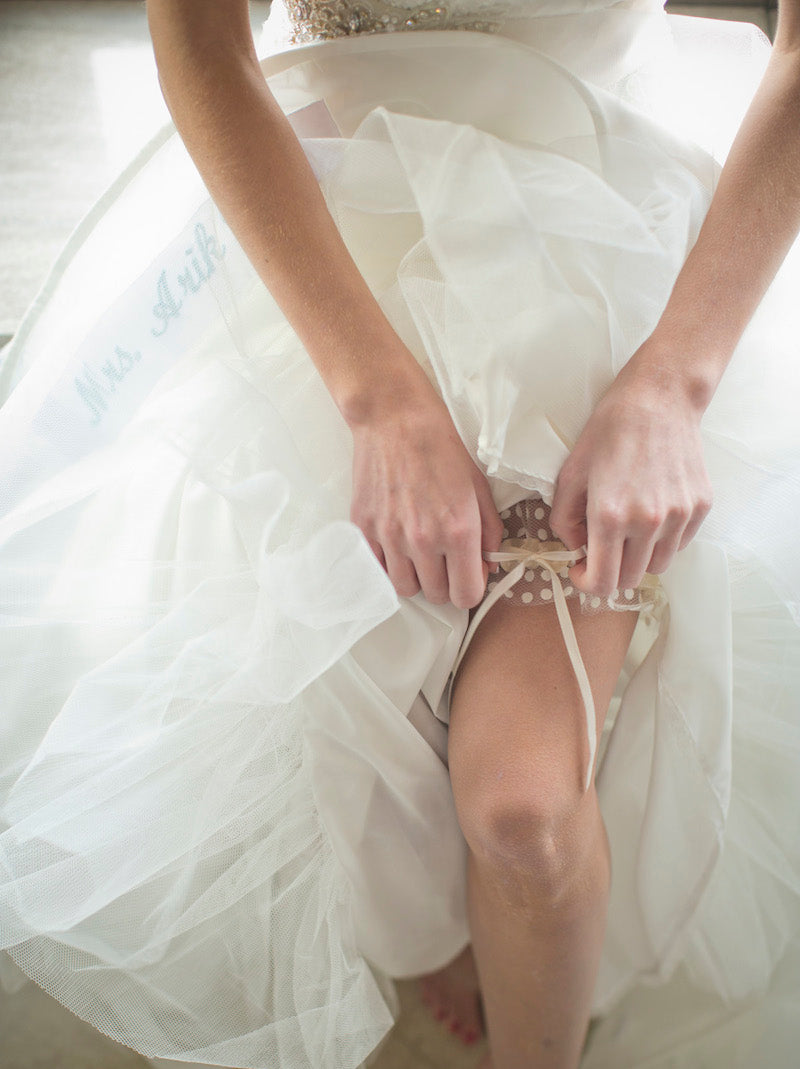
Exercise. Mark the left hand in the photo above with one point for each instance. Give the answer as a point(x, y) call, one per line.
point(635, 489)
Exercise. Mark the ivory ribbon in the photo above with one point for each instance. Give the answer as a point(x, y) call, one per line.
point(525, 556)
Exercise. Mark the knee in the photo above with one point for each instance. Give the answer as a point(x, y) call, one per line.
point(544, 842)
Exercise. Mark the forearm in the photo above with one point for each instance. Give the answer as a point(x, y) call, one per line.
point(753, 219)
point(258, 175)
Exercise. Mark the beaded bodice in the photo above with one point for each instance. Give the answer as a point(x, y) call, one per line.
point(314, 20)
point(296, 22)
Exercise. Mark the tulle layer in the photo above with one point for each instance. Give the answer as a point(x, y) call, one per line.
point(198, 763)
point(226, 815)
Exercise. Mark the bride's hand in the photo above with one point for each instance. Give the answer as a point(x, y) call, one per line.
point(423, 504)
point(635, 489)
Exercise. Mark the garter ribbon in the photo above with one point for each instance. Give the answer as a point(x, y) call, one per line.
point(527, 554)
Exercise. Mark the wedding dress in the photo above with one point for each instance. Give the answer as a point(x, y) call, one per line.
point(225, 813)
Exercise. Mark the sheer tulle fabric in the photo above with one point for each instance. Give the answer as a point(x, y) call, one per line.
point(226, 817)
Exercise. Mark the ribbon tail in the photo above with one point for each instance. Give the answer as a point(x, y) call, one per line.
point(578, 667)
point(496, 594)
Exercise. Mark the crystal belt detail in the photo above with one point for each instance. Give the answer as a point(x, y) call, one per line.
point(314, 20)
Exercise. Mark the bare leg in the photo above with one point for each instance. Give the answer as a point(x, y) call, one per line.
point(539, 869)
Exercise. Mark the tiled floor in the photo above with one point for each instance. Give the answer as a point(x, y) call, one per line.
point(78, 96)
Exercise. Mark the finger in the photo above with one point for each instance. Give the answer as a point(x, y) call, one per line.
point(491, 525)
point(665, 548)
point(568, 515)
point(432, 574)
point(466, 569)
point(401, 572)
point(694, 524)
point(603, 556)
point(378, 551)
point(636, 556)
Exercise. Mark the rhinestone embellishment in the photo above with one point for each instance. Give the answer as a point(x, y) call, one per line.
point(314, 20)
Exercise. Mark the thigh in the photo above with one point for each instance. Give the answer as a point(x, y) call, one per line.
point(517, 722)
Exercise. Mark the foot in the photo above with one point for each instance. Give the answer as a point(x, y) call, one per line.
point(453, 996)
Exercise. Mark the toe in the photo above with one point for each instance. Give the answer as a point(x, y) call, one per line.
point(453, 997)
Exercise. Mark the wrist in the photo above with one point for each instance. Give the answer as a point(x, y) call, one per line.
point(394, 388)
point(677, 372)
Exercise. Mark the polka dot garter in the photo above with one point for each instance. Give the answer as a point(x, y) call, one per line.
point(527, 525)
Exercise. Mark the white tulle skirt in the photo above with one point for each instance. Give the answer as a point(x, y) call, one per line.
point(225, 813)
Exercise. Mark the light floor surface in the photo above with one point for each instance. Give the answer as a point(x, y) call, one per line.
point(78, 97)
point(38, 1033)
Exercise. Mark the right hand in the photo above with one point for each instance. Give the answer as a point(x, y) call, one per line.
point(422, 502)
